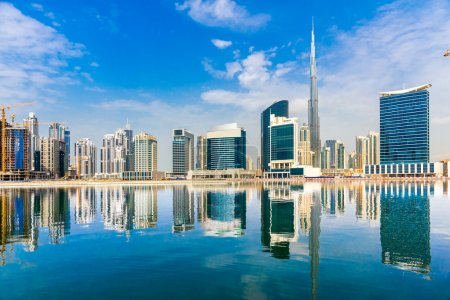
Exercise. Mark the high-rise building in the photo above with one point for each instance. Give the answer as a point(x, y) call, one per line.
point(405, 126)
point(305, 155)
point(58, 132)
point(313, 106)
point(50, 156)
point(107, 154)
point(66, 149)
point(337, 154)
point(284, 143)
point(129, 147)
point(325, 157)
point(85, 157)
point(279, 109)
point(17, 149)
point(226, 147)
point(145, 153)
point(202, 162)
point(362, 152)
point(182, 151)
point(374, 148)
point(352, 160)
point(249, 165)
point(31, 123)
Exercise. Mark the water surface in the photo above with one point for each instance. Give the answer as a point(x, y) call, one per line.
point(266, 241)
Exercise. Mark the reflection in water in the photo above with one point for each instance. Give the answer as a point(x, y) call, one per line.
point(222, 212)
point(183, 209)
point(405, 226)
point(402, 211)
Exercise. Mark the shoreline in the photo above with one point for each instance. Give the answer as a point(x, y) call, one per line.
point(93, 183)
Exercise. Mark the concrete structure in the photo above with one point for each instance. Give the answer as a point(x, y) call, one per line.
point(374, 148)
point(337, 154)
point(107, 153)
point(202, 160)
point(50, 157)
point(58, 132)
point(305, 155)
point(145, 153)
point(435, 169)
point(325, 158)
point(182, 152)
point(221, 174)
point(279, 109)
point(352, 161)
point(362, 152)
point(226, 147)
point(313, 106)
point(85, 158)
point(117, 151)
point(17, 145)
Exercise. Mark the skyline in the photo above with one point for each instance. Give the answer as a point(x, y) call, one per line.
point(225, 88)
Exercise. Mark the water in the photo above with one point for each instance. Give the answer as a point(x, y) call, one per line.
point(354, 240)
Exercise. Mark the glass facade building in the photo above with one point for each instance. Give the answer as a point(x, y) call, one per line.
point(405, 126)
point(279, 109)
point(182, 151)
point(226, 148)
point(282, 142)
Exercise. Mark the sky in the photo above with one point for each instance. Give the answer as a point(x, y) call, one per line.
point(196, 64)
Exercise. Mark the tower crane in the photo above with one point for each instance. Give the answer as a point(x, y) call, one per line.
point(3, 108)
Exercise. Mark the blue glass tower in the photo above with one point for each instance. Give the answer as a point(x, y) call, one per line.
point(226, 148)
point(279, 109)
point(405, 126)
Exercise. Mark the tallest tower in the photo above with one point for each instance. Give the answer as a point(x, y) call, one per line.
point(313, 105)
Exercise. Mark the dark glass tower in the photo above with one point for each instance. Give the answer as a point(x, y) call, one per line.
point(279, 109)
point(405, 126)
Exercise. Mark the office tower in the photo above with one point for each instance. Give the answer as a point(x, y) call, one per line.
point(129, 147)
point(279, 109)
point(202, 162)
point(85, 157)
point(31, 123)
point(305, 155)
point(182, 151)
point(325, 158)
point(249, 165)
point(284, 135)
point(313, 106)
point(337, 154)
point(362, 152)
point(374, 148)
point(405, 126)
point(352, 161)
point(107, 153)
point(145, 153)
point(17, 149)
point(57, 132)
point(66, 149)
point(226, 147)
point(50, 156)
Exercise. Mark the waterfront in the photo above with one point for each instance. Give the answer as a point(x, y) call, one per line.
point(234, 240)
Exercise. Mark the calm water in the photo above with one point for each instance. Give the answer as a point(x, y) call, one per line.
point(358, 240)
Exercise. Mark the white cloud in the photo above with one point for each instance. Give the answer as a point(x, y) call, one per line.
point(95, 64)
point(37, 6)
point(32, 57)
point(222, 13)
point(221, 44)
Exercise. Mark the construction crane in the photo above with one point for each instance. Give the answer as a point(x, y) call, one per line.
point(447, 53)
point(3, 108)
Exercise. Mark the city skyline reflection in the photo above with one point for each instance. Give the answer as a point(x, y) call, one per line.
point(290, 215)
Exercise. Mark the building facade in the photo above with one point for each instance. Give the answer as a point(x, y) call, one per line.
point(202, 161)
point(279, 109)
point(85, 158)
point(325, 158)
point(145, 153)
point(226, 147)
point(305, 155)
point(284, 141)
point(17, 149)
point(50, 156)
point(182, 152)
point(31, 123)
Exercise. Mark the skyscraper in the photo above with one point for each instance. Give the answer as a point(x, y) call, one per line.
point(182, 151)
point(17, 149)
point(50, 156)
point(117, 151)
point(362, 152)
point(313, 106)
point(145, 153)
point(107, 154)
point(31, 123)
point(374, 148)
point(405, 126)
point(284, 137)
point(202, 163)
point(226, 147)
point(279, 109)
point(337, 154)
point(325, 158)
point(305, 156)
point(85, 157)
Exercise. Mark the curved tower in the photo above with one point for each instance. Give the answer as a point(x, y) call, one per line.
point(313, 106)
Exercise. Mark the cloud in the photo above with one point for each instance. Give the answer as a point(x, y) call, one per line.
point(95, 64)
point(37, 6)
point(33, 57)
point(221, 44)
point(232, 68)
point(222, 13)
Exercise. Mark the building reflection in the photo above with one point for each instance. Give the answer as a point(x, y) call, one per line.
point(405, 226)
point(183, 209)
point(85, 205)
point(222, 212)
point(127, 208)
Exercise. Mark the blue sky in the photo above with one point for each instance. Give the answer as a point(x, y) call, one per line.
point(198, 63)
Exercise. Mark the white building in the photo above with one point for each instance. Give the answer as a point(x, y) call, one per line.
point(85, 158)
